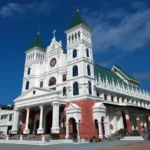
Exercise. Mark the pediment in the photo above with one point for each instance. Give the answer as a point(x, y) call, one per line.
point(73, 106)
point(99, 105)
point(33, 92)
point(54, 45)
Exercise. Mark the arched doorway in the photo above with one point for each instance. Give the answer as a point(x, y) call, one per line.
point(72, 128)
point(48, 122)
point(96, 126)
point(133, 122)
point(124, 120)
point(36, 126)
point(103, 127)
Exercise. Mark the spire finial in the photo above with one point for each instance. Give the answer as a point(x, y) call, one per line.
point(77, 9)
point(54, 33)
point(39, 30)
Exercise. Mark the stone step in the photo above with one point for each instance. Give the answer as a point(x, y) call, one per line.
point(133, 138)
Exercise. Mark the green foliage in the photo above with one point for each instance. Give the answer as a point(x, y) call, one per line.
point(122, 131)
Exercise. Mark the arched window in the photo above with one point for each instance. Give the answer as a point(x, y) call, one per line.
point(64, 91)
point(87, 52)
point(52, 81)
point(74, 53)
point(41, 84)
point(75, 88)
point(90, 88)
point(75, 35)
point(27, 85)
point(79, 34)
point(88, 70)
point(75, 71)
point(29, 70)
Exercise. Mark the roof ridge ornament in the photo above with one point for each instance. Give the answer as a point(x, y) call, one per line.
point(77, 9)
point(54, 34)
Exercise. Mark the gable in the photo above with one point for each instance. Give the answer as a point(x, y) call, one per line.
point(73, 106)
point(99, 105)
point(54, 45)
point(124, 73)
point(33, 92)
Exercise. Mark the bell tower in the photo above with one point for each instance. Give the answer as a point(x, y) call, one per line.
point(80, 65)
point(35, 55)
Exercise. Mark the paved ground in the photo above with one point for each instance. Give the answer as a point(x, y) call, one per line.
point(135, 146)
point(112, 145)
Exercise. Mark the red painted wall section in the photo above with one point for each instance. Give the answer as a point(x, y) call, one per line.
point(23, 121)
point(32, 116)
point(87, 126)
point(138, 125)
point(128, 125)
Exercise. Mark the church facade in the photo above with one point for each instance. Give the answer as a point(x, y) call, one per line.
point(67, 94)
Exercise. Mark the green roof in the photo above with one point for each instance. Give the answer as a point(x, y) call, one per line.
point(37, 42)
point(106, 72)
point(125, 73)
point(77, 20)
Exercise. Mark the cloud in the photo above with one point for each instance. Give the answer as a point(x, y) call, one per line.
point(142, 75)
point(109, 63)
point(13, 9)
point(120, 29)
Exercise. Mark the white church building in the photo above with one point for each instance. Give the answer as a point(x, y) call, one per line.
point(68, 94)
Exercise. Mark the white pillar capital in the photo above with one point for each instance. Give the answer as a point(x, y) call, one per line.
point(28, 109)
point(41, 106)
point(55, 103)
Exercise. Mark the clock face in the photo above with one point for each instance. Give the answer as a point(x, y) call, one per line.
point(53, 62)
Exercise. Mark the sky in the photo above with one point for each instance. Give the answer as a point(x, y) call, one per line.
point(121, 35)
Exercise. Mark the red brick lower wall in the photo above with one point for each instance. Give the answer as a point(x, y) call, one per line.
point(138, 125)
point(87, 127)
point(32, 117)
point(128, 125)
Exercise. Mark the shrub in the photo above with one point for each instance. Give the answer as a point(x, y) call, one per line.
point(122, 131)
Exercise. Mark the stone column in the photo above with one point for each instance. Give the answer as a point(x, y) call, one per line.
point(40, 129)
point(78, 132)
point(138, 123)
point(55, 122)
point(100, 130)
point(14, 129)
point(26, 130)
point(108, 126)
point(67, 131)
point(128, 120)
point(115, 123)
point(121, 122)
point(106, 129)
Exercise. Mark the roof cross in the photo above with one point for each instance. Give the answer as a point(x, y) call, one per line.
point(54, 33)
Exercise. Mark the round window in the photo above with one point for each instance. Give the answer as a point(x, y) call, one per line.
point(53, 62)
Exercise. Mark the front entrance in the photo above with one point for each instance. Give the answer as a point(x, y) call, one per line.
point(36, 126)
point(48, 122)
point(73, 128)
